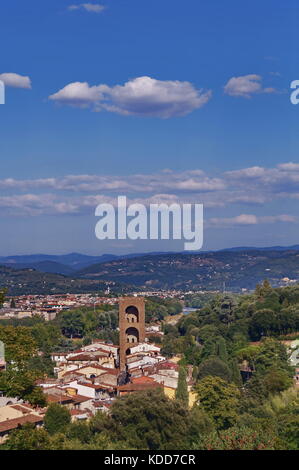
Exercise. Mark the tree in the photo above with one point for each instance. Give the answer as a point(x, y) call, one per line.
point(181, 392)
point(235, 373)
point(19, 343)
point(277, 380)
point(219, 399)
point(272, 353)
point(72, 324)
point(79, 431)
point(56, 419)
point(239, 438)
point(263, 323)
point(221, 350)
point(214, 367)
point(2, 296)
point(20, 383)
point(28, 438)
point(288, 425)
point(150, 420)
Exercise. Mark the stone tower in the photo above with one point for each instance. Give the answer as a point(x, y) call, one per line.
point(131, 326)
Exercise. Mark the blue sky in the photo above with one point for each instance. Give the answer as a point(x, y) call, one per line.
point(88, 101)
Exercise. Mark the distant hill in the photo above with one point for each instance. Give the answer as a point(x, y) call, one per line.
point(60, 264)
point(74, 260)
point(44, 266)
point(237, 269)
point(29, 281)
point(270, 248)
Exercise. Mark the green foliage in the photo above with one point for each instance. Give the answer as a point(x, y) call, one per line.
point(239, 438)
point(20, 383)
point(221, 350)
point(214, 367)
point(219, 399)
point(181, 392)
point(2, 296)
point(28, 438)
point(235, 373)
point(79, 431)
point(151, 421)
point(157, 309)
point(19, 343)
point(57, 418)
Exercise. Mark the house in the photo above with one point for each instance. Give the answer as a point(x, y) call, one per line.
point(15, 415)
point(137, 387)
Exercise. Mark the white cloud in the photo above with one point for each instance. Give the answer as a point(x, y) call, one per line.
point(154, 182)
point(246, 86)
point(250, 219)
point(243, 189)
point(142, 96)
point(90, 7)
point(15, 80)
point(285, 176)
point(77, 94)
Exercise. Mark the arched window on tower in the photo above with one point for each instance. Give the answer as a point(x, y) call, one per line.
point(132, 314)
point(132, 335)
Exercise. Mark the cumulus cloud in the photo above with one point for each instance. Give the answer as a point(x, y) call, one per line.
point(141, 96)
point(285, 177)
point(243, 189)
point(187, 181)
point(90, 7)
point(77, 94)
point(15, 80)
point(250, 219)
point(246, 86)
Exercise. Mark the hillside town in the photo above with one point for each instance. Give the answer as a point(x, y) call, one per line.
point(89, 379)
point(111, 350)
point(48, 306)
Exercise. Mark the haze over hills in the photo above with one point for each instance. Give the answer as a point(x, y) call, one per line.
point(71, 263)
point(239, 268)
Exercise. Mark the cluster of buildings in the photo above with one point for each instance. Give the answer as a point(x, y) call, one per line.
point(48, 306)
point(88, 380)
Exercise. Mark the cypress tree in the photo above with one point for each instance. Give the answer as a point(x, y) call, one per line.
point(181, 392)
point(221, 350)
point(236, 375)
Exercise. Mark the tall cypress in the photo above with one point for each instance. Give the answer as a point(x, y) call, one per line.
point(221, 350)
point(236, 374)
point(181, 392)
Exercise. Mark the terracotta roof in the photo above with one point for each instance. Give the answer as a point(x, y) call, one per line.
point(131, 387)
point(101, 404)
point(77, 412)
point(80, 398)
point(96, 386)
point(24, 409)
point(104, 369)
point(142, 380)
point(11, 424)
point(82, 357)
point(58, 398)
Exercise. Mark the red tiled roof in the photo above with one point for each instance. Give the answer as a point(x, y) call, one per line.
point(24, 409)
point(58, 398)
point(142, 380)
point(11, 424)
point(80, 398)
point(131, 387)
